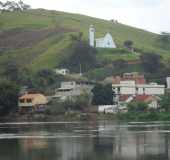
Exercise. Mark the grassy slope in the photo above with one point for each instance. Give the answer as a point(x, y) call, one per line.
point(48, 52)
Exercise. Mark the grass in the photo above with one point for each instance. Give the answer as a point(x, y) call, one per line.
point(150, 116)
point(102, 73)
point(111, 55)
point(50, 51)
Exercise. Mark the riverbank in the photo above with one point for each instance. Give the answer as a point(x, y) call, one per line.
point(126, 117)
point(141, 116)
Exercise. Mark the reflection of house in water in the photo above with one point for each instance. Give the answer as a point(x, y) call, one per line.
point(103, 143)
point(132, 145)
point(32, 144)
point(74, 148)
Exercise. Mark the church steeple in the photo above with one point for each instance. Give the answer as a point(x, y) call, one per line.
point(92, 36)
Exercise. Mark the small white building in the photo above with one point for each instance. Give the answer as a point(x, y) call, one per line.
point(103, 42)
point(107, 109)
point(168, 82)
point(62, 71)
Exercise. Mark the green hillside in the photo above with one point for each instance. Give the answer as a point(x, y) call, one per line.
point(41, 39)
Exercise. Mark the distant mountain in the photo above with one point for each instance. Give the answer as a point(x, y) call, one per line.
point(41, 38)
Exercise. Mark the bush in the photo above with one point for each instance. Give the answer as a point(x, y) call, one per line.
point(81, 55)
point(8, 97)
point(102, 95)
point(137, 107)
point(151, 62)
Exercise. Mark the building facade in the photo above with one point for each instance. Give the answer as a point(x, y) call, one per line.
point(131, 88)
point(72, 89)
point(103, 42)
point(62, 71)
point(135, 84)
point(32, 103)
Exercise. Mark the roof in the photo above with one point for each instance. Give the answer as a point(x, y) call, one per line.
point(123, 98)
point(31, 96)
point(138, 98)
point(105, 36)
point(144, 98)
point(139, 79)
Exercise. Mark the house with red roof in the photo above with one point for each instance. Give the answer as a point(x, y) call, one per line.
point(152, 101)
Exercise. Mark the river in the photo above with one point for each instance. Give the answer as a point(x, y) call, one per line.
point(99, 140)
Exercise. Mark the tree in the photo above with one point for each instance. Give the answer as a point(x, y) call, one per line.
point(151, 62)
point(102, 95)
point(164, 38)
point(81, 55)
point(23, 6)
point(120, 64)
point(137, 107)
point(79, 103)
point(13, 6)
point(44, 79)
point(11, 71)
point(165, 102)
point(78, 37)
point(128, 44)
point(8, 97)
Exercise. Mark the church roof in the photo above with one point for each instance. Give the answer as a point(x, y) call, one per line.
point(106, 35)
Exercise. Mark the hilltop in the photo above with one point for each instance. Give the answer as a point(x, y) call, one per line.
point(40, 38)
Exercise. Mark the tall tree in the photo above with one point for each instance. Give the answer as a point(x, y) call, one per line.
point(81, 55)
point(8, 97)
point(165, 102)
point(102, 95)
point(128, 44)
point(151, 62)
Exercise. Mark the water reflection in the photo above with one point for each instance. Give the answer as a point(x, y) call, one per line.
point(84, 141)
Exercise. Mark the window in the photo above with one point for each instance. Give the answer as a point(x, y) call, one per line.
point(22, 100)
point(29, 100)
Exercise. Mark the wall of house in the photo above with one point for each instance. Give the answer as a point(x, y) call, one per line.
point(154, 91)
point(139, 89)
point(40, 100)
point(108, 41)
point(100, 43)
point(107, 109)
point(153, 104)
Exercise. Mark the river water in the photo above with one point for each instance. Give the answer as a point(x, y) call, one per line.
point(99, 140)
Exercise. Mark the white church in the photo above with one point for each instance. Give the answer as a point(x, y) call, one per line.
point(103, 42)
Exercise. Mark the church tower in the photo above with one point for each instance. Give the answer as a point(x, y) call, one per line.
point(92, 36)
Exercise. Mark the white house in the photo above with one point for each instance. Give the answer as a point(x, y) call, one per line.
point(72, 89)
point(131, 88)
point(103, 42)
point(62, 71)
point(107, 109)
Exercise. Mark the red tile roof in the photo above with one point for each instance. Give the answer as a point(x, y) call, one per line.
point(142, 98)
point(123, 98)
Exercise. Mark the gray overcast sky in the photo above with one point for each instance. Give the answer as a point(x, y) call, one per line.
point(152, 15)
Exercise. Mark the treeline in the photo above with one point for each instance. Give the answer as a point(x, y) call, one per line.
point(11, 6)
